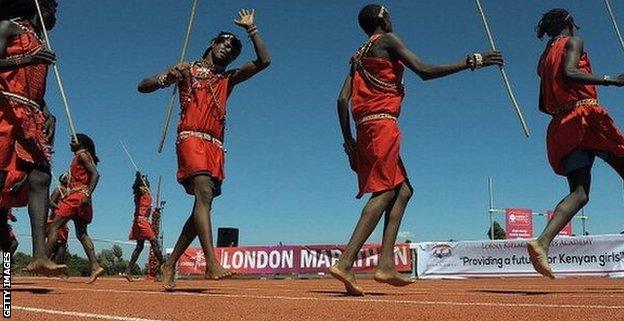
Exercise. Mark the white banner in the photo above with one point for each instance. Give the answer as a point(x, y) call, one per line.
point(569, 256)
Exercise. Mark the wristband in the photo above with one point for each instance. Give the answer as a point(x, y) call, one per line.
point(607, 80)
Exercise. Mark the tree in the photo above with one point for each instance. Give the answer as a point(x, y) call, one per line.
point(20, 261)
point(77, 266)
point(499, 232)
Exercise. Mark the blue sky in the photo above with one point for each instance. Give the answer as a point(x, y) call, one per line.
point(287, 177)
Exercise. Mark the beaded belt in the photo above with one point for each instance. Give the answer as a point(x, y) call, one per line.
point(20, 100)
point(375, 117)
point(204, 136)
point(139, 217)
point(575, 104)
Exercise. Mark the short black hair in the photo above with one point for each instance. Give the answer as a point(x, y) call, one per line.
point(87, 143)
point(236, 44)
point(10, 9)
point(369, 19)
point(553, 22)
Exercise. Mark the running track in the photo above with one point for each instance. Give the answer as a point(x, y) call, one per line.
point(283, 300)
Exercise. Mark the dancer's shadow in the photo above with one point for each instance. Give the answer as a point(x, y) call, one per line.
point(538, 293)
point(344, 294)
point(198, 290)
point(33, 290)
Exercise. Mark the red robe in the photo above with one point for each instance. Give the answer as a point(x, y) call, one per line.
point(141, 228)
point(71, 206)
point(586, 127)
point(63, 232)
point(18, 198)
point(22, 124)
point(378, 163)
point(203, 99)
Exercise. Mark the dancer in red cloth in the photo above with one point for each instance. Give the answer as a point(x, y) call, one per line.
point(580, 129)
point(76, 205)
point(374, 87)
point(8, 240)
point(141, 228)
point(59, 251)
point(204, 88)
point(26, 126)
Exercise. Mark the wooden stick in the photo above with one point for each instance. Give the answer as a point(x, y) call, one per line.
point(516, 107)
point(163, 136)
point(57, 74)
point(134, 164)
point(615, 25)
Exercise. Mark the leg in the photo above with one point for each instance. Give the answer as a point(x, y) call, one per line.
point(157, 251)
point(39, 184)
point(579, 181)
point(369, 218)
point(386, 271)
point(203, 190)
point(617, 163)
point(185, 239)
point(135, 256)
point(87, 244)
point(52, 243)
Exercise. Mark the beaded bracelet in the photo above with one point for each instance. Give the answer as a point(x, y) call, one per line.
point(162, 78)
point(474, 61)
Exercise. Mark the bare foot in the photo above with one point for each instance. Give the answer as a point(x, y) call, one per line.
point(392, 277)
point(95, 274)
point(539, 259)
point(348, 279)
point(217, 272)
point(46, 267)
point(167, 277)
point(128, 276)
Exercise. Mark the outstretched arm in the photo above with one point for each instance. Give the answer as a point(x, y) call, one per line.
point(9, 29)
point(246, 20)
point(574, 50)
point(427, 71)
point(350, 147)
point(165, 79)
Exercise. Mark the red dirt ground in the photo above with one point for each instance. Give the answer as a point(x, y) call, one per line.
point(458, 300)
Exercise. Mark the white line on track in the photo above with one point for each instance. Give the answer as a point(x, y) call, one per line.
point(81, 314)
point(361, 300)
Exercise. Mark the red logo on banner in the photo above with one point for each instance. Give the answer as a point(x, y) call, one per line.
point(297, 259)
point(519, 223)
point(567, 230)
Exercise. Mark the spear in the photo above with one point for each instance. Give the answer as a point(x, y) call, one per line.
point(58, 75)
point(615, 25)
point(163, 136)
point(516, 107)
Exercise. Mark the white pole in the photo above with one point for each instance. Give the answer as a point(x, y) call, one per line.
point(491, 207)
point(175, 88)
point(615, 25)
point(57, 74)
point(516, 106)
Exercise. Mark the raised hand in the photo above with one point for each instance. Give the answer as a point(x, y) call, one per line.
point(492, 58)
point(245, 18)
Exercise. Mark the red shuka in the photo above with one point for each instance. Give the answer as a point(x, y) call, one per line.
point(586, 127)
point(63, 232)
point(378, 163)
point(22, 124)
point(141, 228)
point(14, 175)
point(71, 206)
point(203, 98)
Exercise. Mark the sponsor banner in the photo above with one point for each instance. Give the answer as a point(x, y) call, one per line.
point(298, 259)
point(567, 230)
point(569, 256)
point(519, 223)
